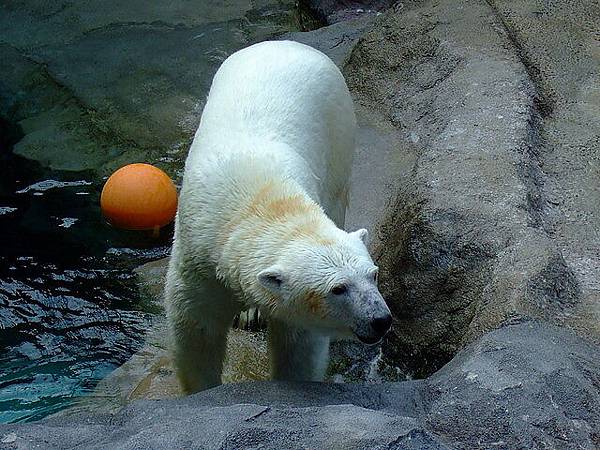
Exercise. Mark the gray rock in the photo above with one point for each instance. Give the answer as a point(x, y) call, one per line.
point(96, 85)
point(558, 46)
point(335, 11)
point(498, 217)
point(336, 40)
point(527, 385)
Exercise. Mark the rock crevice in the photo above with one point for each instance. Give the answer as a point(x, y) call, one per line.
point(472, 239)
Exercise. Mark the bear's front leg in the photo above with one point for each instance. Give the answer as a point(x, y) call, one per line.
point(297, 354)
point(200, 314)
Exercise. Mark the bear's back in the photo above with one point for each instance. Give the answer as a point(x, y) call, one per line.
point(283, 92)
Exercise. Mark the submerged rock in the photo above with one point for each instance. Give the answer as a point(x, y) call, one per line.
point(149, 373)
point(96, 86)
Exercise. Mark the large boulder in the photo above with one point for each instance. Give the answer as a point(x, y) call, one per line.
point(498, 216)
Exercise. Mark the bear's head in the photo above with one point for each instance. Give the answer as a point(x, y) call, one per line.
point(330, 284)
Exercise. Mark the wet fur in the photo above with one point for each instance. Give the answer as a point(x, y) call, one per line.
point(267, 173)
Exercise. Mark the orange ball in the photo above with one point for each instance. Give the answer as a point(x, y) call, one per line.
point(139, 197)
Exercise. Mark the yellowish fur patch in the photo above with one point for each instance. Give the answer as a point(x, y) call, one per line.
point(261, 196)
point(316, 303)
point(284, 207)
point(268, 207)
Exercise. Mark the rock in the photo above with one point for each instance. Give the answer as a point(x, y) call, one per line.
point(496, 218)
point(96, 85)
point(336, 40)
point(334, 11)
point(149, 373)
point(559, 48)
point(151, 278)
point(527, 385)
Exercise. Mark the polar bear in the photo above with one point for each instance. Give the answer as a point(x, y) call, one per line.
point(259, 220)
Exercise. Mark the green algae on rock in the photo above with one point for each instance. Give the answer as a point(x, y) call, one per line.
point(97, 87)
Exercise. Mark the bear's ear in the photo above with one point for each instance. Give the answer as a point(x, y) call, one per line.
point(271, 279)
point(362, 234)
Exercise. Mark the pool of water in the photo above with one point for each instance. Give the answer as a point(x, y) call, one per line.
point(70, 310)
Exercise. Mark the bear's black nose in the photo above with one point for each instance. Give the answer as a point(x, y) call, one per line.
point(381, 325)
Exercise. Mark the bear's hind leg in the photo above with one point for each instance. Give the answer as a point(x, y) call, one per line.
point(297, 354)
point(199, 319)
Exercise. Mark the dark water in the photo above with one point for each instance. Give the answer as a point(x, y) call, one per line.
point(69, 306)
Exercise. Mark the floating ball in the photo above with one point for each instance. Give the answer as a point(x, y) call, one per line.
point(139, 197)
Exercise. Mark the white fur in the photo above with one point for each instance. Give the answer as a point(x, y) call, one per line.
point(271, 156)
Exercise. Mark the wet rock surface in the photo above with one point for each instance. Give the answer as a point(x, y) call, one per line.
point(527, 385)
point(335, 11)
point(82, 104)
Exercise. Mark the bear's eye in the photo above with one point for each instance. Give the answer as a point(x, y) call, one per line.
point(339, 289)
